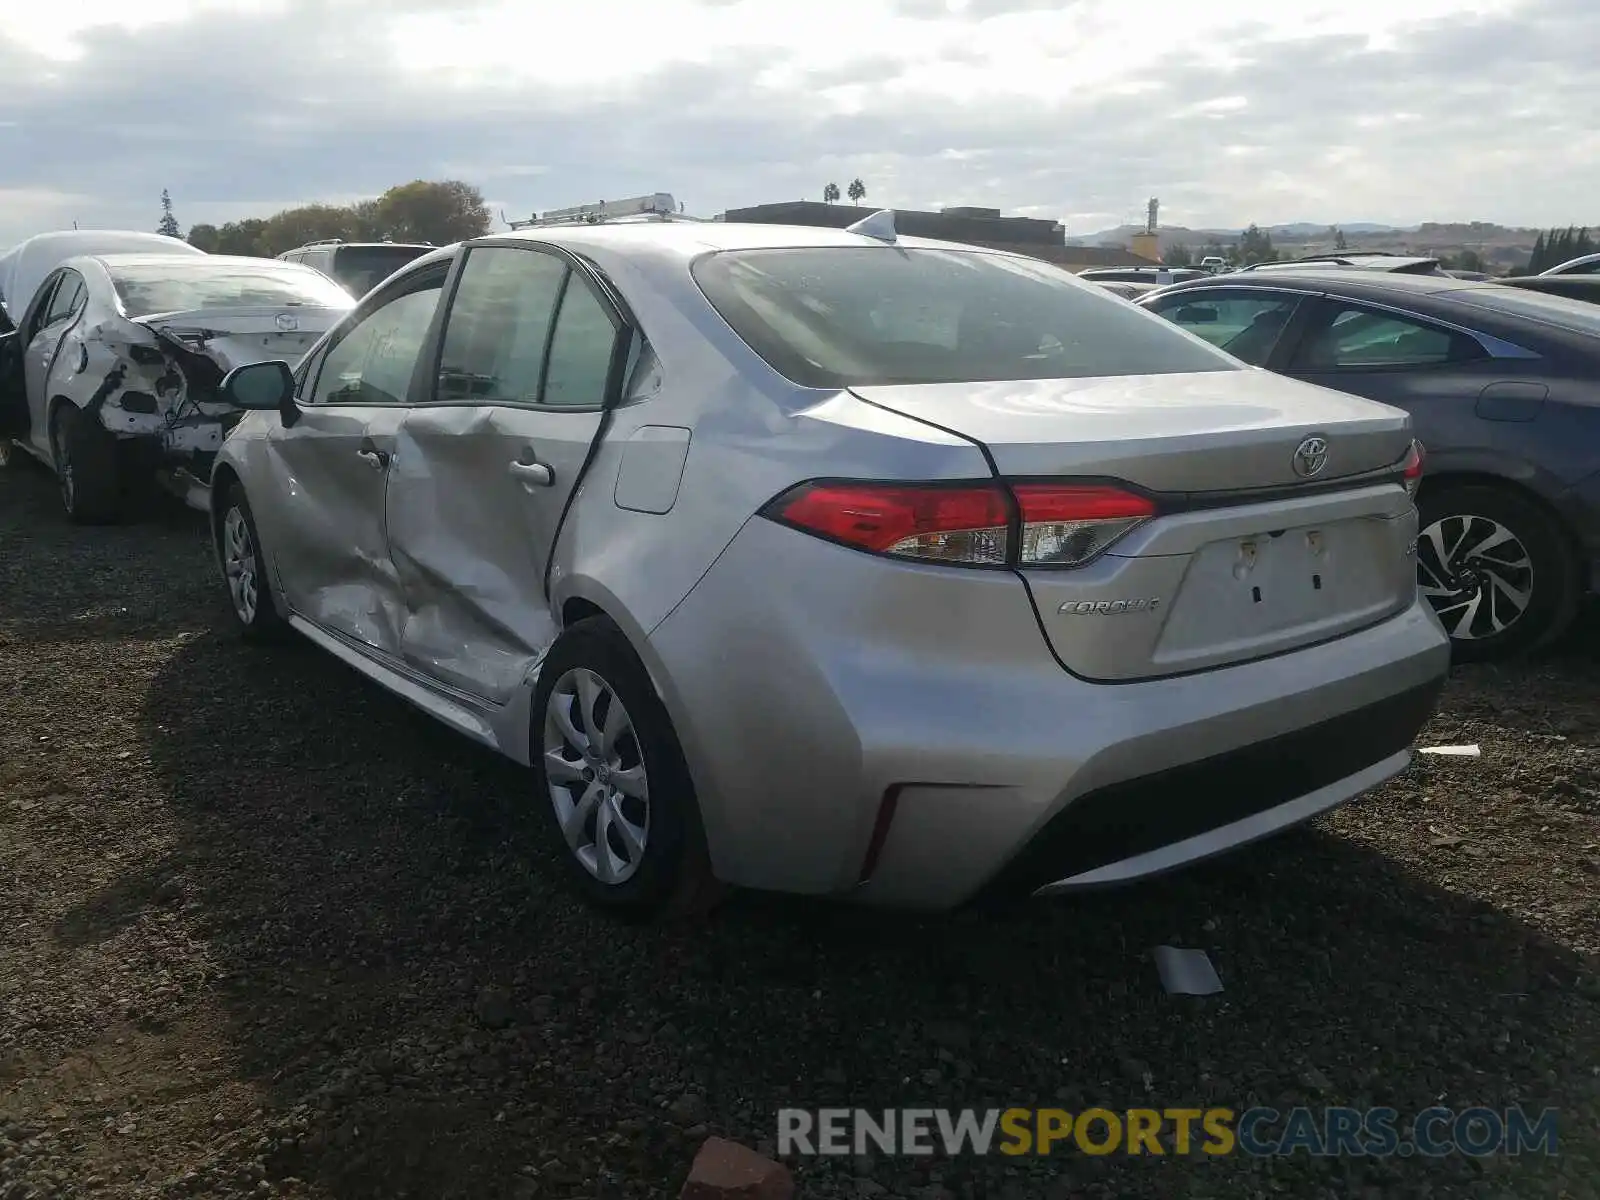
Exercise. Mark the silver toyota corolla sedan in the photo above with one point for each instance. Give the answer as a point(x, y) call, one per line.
point(839, 563)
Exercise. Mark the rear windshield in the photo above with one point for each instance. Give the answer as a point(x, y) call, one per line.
point(186, 284)
point(362, 268)
point(833, 317)
point(1563, 312)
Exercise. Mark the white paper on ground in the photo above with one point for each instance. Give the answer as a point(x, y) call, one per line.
point(1186, 972)
point(1454, 751)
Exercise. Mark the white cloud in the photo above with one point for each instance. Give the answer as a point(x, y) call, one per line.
point(1231, 111)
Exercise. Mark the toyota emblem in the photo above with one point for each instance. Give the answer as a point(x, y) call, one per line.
point(1310, 456)
point(287, 322)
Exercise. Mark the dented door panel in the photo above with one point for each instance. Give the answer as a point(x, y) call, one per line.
point(329, 473)
point(475, 500)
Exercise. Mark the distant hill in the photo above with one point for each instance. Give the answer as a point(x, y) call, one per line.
point(1501, 246)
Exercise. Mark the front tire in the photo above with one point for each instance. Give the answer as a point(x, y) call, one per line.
point(1497, 569)
point(87, 467)
point(618, 803)
point(244, 570)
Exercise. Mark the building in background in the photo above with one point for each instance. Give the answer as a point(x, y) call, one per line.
point(972, 226)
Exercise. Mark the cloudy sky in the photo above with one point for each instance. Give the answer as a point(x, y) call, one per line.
point(1229, 110)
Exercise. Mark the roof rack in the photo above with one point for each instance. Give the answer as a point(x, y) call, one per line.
point(324, 242)
point(657, 206)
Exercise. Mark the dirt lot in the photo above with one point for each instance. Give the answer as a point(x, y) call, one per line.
point(265, 931)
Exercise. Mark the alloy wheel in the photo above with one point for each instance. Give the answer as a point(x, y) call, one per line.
point(1476, 573)
point(595, 773)
point(239, 564)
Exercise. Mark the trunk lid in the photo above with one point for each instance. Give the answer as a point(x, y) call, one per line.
point(1203, 432)
point(233, 337)
point(1219, 576)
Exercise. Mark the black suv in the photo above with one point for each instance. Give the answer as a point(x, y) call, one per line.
point(358, 266)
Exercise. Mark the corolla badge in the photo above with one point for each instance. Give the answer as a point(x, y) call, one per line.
point(287, 322)
point(1310, 456)
point(1109, 608)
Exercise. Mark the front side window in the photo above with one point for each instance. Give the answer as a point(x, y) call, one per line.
point(1364, 339)
point(833, 317)
point(372, 363)
point(499, 326)
point(187, 284)
point(1246, 326)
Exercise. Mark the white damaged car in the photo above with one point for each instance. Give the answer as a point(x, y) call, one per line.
point(117, 362)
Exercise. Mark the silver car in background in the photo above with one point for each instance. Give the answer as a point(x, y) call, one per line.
point(119, 361)
point(839, 563)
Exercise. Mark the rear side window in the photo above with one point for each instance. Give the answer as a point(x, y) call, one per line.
point(833, 317)
point(1363, 339)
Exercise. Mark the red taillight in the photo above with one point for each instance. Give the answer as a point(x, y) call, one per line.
point(1057, 525)
point(1066, 525)
point(1411, 467)
point(965, 524)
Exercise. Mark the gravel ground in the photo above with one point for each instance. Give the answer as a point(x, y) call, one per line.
point(265, 931)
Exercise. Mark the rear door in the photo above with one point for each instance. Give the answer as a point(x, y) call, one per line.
point(1444, 378)
point(486, 465)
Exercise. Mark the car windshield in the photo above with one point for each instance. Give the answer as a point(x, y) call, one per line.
point(362, 268)
point(1563, 312)
point(187, 284)
point(834, 317)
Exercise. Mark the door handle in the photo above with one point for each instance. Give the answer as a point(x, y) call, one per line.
point(535, 473)
point(376, 459)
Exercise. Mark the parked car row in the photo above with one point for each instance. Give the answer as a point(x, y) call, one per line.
point(841, 563)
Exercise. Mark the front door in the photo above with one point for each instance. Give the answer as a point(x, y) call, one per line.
point(59, 303)
point(331, 467)
point(487, 464)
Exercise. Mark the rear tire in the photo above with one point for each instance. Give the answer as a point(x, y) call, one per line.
point(616, 799)
point(1497, 568)
point(244, 570)
point(87, 467)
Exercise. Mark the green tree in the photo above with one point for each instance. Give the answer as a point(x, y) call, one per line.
point(1255, 245)
point(437, 211)
point(243, 237)
point(1536, 261)
point(830, 193)
point(312, 222)
point(204, 237)
point(857, 191)
point(1178, 256)
point(1339, 240)
point(169, 223)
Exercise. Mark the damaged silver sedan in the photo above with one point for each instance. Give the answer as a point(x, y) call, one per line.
point(115, 377)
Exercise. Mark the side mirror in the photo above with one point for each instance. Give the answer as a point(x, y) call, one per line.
point(1195, 314)
point(260, 387)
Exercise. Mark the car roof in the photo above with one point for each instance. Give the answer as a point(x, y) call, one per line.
point(689, 239)
point(26, 265)
point(220, 260)
point(1341, 279)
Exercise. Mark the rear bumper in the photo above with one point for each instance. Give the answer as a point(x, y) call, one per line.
point(829, 702)
point(1155, 823)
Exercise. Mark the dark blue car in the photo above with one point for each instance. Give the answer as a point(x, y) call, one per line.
point(1503, 387)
